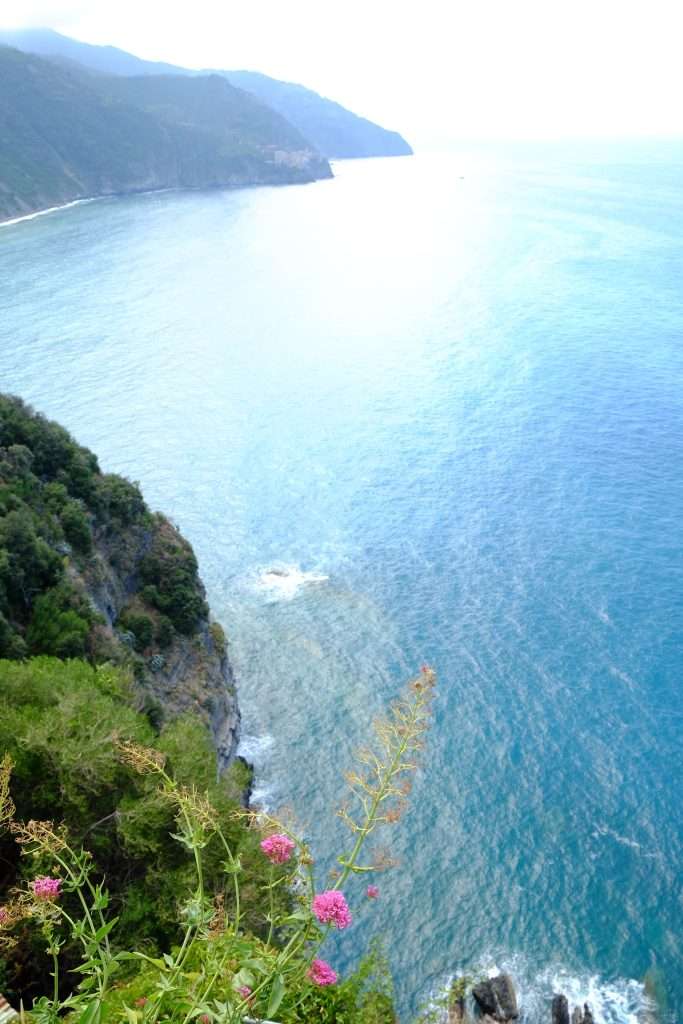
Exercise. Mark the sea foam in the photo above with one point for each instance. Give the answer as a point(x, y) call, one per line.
point(282, 583)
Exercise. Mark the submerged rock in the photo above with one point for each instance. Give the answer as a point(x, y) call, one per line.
point(497, 998)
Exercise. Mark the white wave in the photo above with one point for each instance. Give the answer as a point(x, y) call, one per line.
point(605, 830)
point(42, 213)
point(620, 1001)
point(255, 748)
point(282, 583)
point(262, 798)
point(612, 1001)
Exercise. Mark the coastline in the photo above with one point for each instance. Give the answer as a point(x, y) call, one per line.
point(156, 191)
point(46, 210)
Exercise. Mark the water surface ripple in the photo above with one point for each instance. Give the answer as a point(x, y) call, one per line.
point(454, 387)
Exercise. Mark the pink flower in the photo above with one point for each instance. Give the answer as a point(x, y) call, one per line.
point(4, 916)
point(331, 908)
point(372, 892)
point(277, 849)
point(244, 991)
point(45, 888)
point(321, 973)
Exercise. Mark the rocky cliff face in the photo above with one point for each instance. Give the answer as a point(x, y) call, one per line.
point(192, 673)
point(88, 571)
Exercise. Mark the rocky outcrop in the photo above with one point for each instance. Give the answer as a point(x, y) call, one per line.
point(193, 673)
point(560, 1010)
point(497, 998)
point(585, 1017)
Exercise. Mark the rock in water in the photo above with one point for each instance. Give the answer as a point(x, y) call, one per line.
point(560, 1010)
point(577, 1016)
point(497, 998)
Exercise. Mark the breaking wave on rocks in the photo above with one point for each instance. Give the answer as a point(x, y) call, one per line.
point(615, 1001)
point(283, 582)
point(256, 750)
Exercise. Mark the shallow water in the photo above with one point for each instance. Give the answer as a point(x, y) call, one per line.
point(450, 388)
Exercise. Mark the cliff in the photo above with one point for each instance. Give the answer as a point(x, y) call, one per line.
point(86, 570)
point(190, 672)
point(70, 134)
point(332, 129)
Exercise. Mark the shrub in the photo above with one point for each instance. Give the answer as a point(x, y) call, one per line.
point(218, 636)
point(171, 583)
point(120, 500)
point(140, 625)
point(165, 631)
point(76, 527)
point(56, 627)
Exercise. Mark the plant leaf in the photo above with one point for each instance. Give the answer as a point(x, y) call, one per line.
point(276, 995)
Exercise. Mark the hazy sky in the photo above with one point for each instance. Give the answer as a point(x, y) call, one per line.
point(432, 69)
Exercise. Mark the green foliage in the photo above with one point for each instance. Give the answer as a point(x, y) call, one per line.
point(171, 584)
point(164, 632)
point(56, 626)
point(58, 721)
point(55, 509)
point(251, 920)
point(218, 637)
point(76, 526)
point(140, 625)
point(69, 134)
point(29, 564)
point(119, 501)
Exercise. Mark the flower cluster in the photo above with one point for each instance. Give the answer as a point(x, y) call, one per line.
point(330, 907)
point(321, 973)
point(45, 888)
point(278, 848)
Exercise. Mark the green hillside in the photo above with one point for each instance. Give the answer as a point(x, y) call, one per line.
point(330, 128)
point(68, 135)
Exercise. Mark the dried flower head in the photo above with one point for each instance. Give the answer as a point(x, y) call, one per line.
point(196, 805)
point(379, 789)
point(7, 807)
point(143, 759)
point(43, 835)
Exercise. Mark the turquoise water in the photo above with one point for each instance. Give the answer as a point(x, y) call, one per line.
point(448, 392)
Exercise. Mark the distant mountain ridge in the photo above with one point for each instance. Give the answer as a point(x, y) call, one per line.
point(329, 127)
point(69, 134)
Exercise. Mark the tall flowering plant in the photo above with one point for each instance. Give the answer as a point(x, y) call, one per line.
point(220, 972)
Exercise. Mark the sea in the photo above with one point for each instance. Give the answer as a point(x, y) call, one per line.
point(427, 412)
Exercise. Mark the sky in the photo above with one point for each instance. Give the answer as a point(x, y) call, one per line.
point(436, 70)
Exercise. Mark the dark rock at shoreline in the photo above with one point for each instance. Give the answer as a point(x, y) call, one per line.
point(496, 998)
point(582, 1018)
point(560, 1010)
